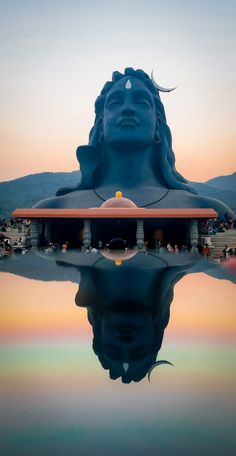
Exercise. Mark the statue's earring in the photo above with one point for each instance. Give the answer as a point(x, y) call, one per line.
point(157, 138)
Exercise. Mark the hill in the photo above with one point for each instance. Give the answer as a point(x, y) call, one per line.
point(227, 196)
point(27, 190)
point(224, 182)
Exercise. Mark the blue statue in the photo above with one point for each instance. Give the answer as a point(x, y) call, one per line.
point(130, 149)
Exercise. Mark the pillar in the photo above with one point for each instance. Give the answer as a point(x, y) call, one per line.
point(193, 232)
point(47, 232)
point(140, 234)
point(34, 233)
point(87, 234)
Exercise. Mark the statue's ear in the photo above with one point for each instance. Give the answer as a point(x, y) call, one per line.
point(101, 135)
point(89, 157)
point(86, 295)
point(159, 120)
point(157, 138)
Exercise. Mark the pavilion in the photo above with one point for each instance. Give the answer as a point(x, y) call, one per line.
point(116, 217)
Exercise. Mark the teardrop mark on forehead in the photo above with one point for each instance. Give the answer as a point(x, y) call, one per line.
point(128, 85)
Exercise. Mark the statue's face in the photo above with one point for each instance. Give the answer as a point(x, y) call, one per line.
point(127, 339)
point(129, 115)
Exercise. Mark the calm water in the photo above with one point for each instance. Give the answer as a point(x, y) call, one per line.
point(75, 386)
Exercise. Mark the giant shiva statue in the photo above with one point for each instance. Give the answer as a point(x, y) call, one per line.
point(130, 149)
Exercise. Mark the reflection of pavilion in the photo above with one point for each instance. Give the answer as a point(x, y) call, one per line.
point(117, 217)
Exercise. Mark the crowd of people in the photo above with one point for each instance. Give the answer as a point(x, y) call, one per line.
point(55, 247)
point(218, 225)
point(119, 244)
point(228, 252)
point(9, 243)
point(22, 225)
point(7, 247)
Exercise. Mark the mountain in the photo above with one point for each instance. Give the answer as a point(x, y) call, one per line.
point(227, 196)
point(224, 182)
point(27, 190)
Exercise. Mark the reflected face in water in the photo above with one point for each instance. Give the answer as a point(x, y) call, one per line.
point(129, 114)
point(127, 338)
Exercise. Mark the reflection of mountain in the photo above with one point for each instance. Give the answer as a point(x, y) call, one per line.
point(26, 191)
point(39, 266)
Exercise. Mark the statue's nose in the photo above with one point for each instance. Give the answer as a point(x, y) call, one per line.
point(127, 338)
point(128, 110)
point(125, 333)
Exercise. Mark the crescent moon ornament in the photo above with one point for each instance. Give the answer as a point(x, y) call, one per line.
point(161, 89)
point(157, 363)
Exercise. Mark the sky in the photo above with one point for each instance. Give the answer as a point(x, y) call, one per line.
point(57, 55)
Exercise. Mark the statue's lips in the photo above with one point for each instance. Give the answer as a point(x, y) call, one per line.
point(125, 329)
point(128, 122)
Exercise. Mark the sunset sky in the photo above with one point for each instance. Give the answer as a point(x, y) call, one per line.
point(56, 56)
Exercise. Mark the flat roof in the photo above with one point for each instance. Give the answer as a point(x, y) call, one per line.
point(126, 213)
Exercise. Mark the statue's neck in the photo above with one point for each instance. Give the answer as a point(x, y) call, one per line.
point(129, 169)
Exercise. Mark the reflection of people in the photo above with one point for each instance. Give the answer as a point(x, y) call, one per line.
point(169, 247)
point(130, 149)
point(129, 308)
point(64, 247)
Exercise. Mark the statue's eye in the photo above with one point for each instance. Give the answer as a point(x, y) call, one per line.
point(114, 102)
point(140, 351)
point(142, 101)
point(112, 349)
point(113, 352)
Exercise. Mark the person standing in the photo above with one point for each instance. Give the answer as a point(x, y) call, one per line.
point(206, 251)
point(226, 252)
point(64, 247)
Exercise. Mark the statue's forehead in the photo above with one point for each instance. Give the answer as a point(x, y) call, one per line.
point(129, 83)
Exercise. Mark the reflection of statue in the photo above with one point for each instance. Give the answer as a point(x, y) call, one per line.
point(129, 309)
point(130, 150)
point(128, 305)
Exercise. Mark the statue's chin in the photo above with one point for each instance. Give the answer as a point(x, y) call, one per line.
point(129, 145)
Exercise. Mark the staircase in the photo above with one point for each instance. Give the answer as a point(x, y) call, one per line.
point(219, 240)
point(14, 235)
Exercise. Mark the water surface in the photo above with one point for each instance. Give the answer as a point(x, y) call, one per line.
point(57, 397)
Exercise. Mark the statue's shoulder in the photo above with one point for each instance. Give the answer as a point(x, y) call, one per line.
point(201, 201)
point(47, 203)
point(185, 199)
point(220, 207)
point(80, 199)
